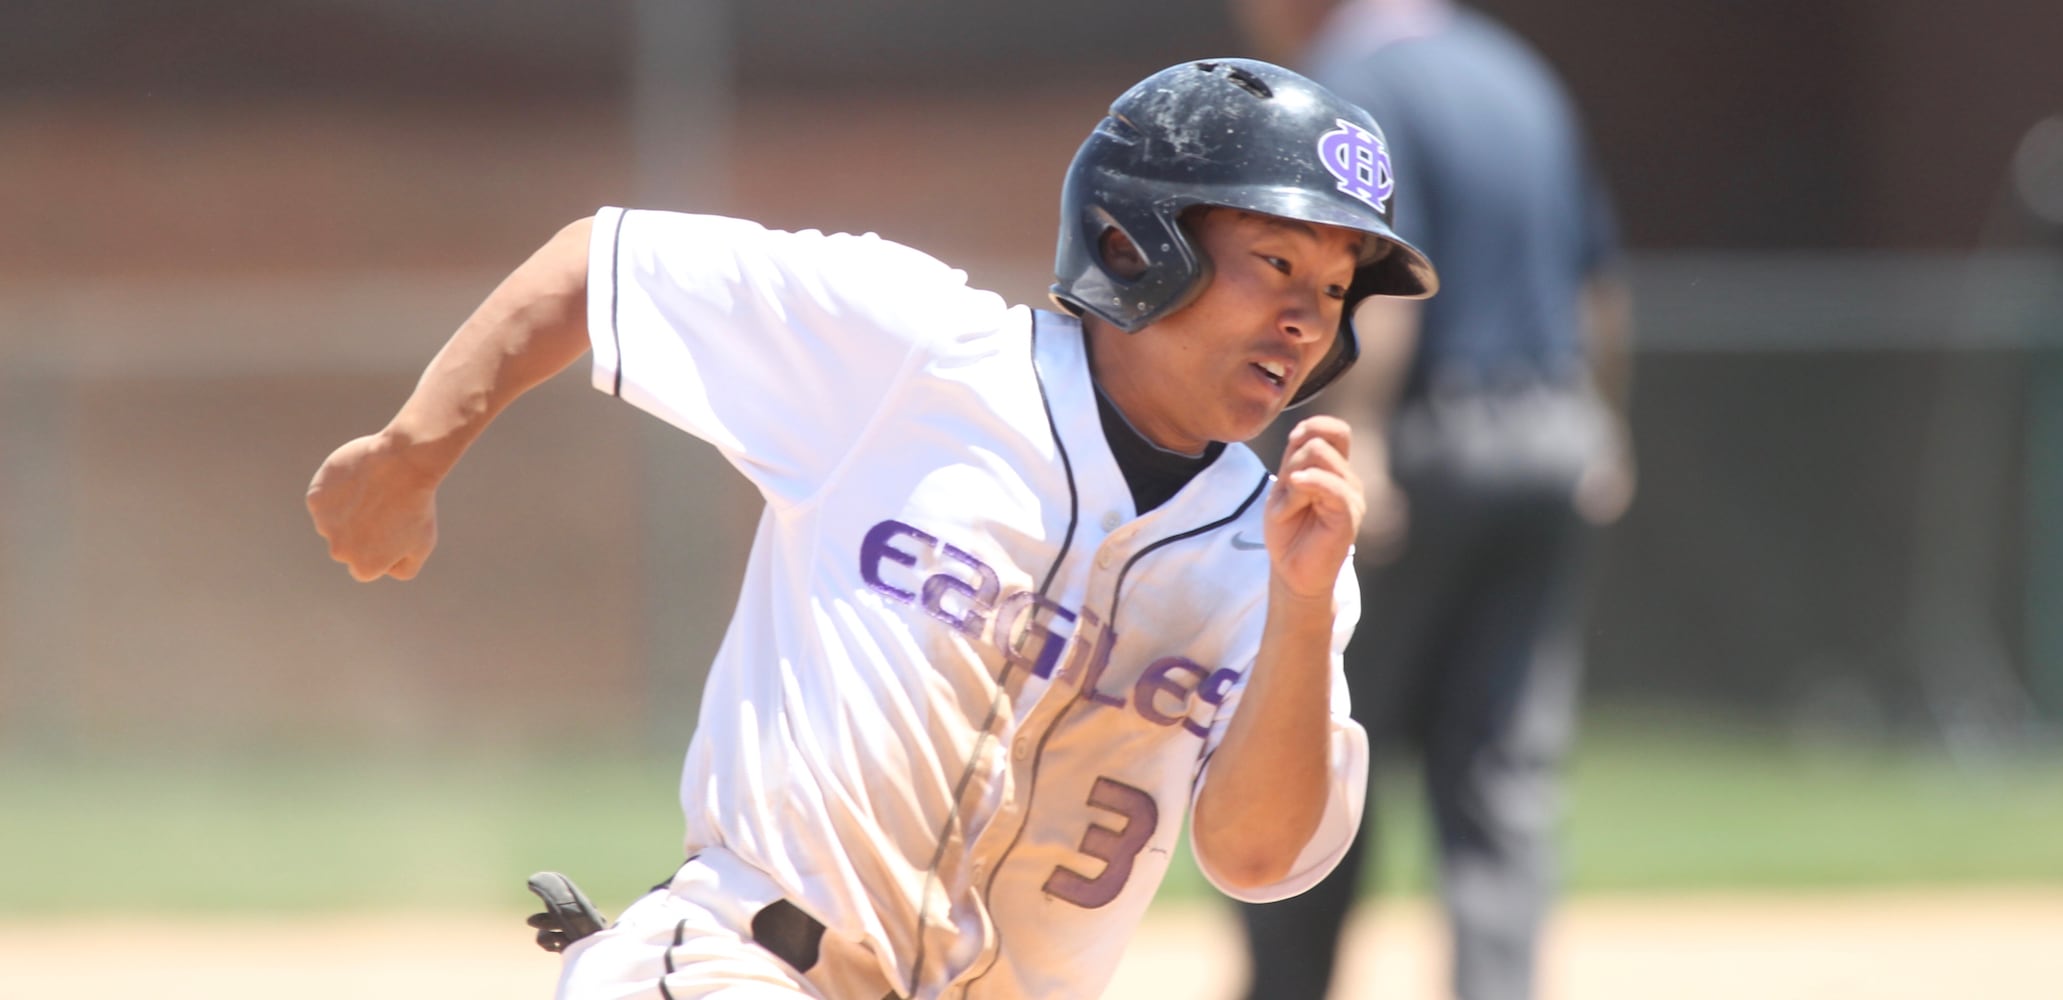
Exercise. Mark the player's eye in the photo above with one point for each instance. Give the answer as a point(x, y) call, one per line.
point(1336, 292)
point(1276, 262)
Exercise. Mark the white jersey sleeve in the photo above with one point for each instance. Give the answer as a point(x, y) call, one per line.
point(1348, 760)
point(776, 347)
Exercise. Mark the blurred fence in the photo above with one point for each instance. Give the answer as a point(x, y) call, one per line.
point(1850, 475)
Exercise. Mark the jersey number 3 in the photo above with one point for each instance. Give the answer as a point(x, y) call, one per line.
point(1116, 848)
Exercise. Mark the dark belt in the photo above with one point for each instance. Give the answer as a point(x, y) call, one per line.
point(793, 936)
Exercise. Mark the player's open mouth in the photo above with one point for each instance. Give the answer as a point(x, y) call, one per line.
point(1274, 371)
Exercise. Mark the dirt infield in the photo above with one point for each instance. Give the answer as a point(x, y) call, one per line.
point(1999, 945)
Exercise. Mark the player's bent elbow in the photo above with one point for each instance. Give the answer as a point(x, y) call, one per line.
point(1243, 868)
point(569, 246)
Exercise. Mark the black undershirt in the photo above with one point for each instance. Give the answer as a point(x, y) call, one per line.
point(1153, 474)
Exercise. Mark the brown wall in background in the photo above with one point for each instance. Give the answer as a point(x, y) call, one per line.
point(1749, 123)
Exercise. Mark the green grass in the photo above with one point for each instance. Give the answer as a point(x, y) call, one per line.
point(1685, 808)
point(327, 833)
point(1670, 806)
point(1652, 808)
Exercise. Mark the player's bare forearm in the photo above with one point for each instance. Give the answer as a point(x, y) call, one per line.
point(533, 326)
point(1268, 782)
point(1607, 486)
point(1607, 320)
point(374, 498)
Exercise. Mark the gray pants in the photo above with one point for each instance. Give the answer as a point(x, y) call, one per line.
point(1468, 659)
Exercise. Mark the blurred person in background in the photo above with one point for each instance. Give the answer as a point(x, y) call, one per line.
point(1502, 403)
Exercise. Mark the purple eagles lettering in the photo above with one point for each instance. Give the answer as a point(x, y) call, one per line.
point(1172, 677)
point(1030, 632)
point(1361, 161)
point(966, 605)
point(1026, 618)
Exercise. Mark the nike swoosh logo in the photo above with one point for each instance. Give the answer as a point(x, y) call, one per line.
point(1243, 543)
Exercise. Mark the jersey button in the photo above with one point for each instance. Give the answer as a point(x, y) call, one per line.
point(1103, 559)
point(1111, 521)
point(1023, 749)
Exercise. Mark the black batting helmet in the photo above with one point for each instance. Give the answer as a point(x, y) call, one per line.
point(1234, 133)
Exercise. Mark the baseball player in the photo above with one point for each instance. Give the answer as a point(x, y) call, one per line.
point(1019, 599)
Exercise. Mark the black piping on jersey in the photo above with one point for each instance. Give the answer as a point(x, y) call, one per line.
point(615, 295)
point(1002, 698)
point(1074, 504)
point(1117, 589)
point(1081, 695)
point(988, 732)
point(1031, 791)
point(680, 934)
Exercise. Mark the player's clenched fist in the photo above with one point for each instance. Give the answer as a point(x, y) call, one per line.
point(1315, 509)
point(378, 512)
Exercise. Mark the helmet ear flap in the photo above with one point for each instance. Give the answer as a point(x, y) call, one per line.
point(1123, 260)
point(1119, 255)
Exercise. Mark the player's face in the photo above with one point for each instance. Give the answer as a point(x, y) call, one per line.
point(1223, 367)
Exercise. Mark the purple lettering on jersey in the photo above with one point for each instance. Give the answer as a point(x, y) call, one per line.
point(1212, 692)
point(1099, 660)
point(1023, 619)
point(1032, 632)
point(1078, 651)
point(1117, 848)
point(876, 548)
point(981, 598)
point(1163, 677)
point(1361, 161)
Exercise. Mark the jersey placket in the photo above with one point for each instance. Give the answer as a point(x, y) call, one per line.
point(991, 849)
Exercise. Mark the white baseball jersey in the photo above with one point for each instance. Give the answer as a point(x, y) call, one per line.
point(968, 693)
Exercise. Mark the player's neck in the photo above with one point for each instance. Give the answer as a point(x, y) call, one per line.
point(1130, 397)
point(1127, 426)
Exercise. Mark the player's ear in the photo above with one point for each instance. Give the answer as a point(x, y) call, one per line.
point(1121, 257)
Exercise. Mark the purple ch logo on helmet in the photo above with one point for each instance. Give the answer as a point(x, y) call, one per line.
point(1360, 160)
